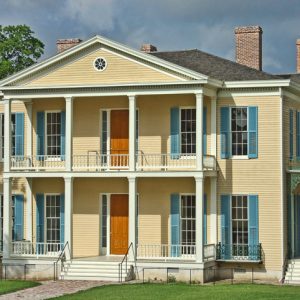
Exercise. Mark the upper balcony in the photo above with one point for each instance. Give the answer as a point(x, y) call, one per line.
point(94, 162)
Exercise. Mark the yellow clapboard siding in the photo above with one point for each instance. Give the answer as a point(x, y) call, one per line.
point(119, 70)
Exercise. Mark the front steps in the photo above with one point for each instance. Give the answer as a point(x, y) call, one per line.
point(292, 275)
point(95, 270)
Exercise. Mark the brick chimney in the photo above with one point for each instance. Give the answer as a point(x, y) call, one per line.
point(298, 55)
point(248, 46)
point(148, 48)
point(64, 44)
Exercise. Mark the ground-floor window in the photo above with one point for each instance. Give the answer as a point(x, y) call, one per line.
point(52, 219)
point(239, 210)
point(188, 222)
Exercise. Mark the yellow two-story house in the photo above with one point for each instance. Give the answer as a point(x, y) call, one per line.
point(116, 160)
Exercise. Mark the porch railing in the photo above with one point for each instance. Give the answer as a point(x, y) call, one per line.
point(37, 162)
point(29, 249)
point(177, 252)
point(239, 252)
point(293, 164)
point(101, 162)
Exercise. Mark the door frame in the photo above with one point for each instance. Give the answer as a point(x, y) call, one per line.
point(102, 250)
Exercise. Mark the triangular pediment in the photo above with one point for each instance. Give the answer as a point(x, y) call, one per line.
point(76, 67)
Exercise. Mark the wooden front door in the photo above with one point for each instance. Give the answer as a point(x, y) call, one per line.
point(119, 137)
point(118, 224)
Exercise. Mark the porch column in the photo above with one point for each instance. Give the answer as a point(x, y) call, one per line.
point(68, 214)
point(7, 217)
point(199, 218)
point(293, 224)
point(213, 210)
point(132, 215)
point(199, 130)
point(213, 126)
point(7, 134)
point(29, 129)
point(29, 209)
point(132, 132)
point(69, 133)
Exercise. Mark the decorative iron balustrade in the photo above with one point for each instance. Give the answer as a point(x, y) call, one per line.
point(239, 252)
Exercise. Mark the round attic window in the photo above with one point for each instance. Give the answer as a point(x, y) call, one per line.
point(100, 64)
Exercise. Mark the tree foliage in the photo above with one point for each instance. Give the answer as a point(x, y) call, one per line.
point(19, 49)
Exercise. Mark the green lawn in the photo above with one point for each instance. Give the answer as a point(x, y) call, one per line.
point(189, 292)
point(9, 286)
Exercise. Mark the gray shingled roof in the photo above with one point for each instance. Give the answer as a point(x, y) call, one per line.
point(213, 66)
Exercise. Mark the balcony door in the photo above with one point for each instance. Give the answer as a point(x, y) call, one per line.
point(119, 137)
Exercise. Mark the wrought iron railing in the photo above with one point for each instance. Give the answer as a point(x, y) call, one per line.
point(239, 252)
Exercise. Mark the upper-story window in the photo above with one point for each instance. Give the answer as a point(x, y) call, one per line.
point(188, 130)
point(239, 133)
point(53, 133)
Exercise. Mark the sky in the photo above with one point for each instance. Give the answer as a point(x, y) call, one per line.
point(207, 25)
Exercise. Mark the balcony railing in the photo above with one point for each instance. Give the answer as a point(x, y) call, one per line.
point(171, 252)
point(29, 249)
point(293, 164)
point(239, 252)
point(108, 162)
point(37, 162)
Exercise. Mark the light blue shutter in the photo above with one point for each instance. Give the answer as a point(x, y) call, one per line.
point(253, 226)
point(225, 138)
point(175, 225)
point(40, 131)
point(225, 226)
point(175, 139)
point(205, 221)
point(19, 218)
point(252, 132)
point(19, 134)
point(298, 135)
point(291, 134)
point(40, 206)
point(204, 130)
point(62, 218)
point(63, 135)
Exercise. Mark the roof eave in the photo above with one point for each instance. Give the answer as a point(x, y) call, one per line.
point(257, 83)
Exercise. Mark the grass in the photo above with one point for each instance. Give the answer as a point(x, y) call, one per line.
point(9, 286)
point(188, 292)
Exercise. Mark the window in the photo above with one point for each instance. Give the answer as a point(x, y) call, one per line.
point(188, 220)
point(188, 130)
point(239, 131)
point(53, 133)
point(240, 225)
point(13, 144)
point(52, 218)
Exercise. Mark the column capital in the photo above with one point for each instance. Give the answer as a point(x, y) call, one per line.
point(6, 100)
point(69, 98)
point(6, 179)
point(68, 179)
point(199, 93)
point(131, 97)
point(131, 178)
point(199, 177)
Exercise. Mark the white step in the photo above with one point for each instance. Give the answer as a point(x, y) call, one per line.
point(72, 271)
point(96, 278)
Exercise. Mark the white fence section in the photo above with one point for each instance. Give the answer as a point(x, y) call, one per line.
point(37, 162)
point(100, 162)
point(29, 249)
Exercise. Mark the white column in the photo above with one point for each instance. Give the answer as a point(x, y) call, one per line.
point(68, 213)
point(132, 214)
point(132, 132)
point(29, 129)
point(69, 133)
point(7, 216)
point(29, 209)
point(7, 134)
point(213, 210)
point(213, 126)
point(199, 218)
point(199, 131)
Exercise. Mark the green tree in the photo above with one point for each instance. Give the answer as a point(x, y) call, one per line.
point(19, 49)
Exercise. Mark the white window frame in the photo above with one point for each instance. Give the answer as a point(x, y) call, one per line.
point(45, 218)
point(230, 139)
point(58, 157)
point(231, 240)
point(184, 155)
point(2, 136)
